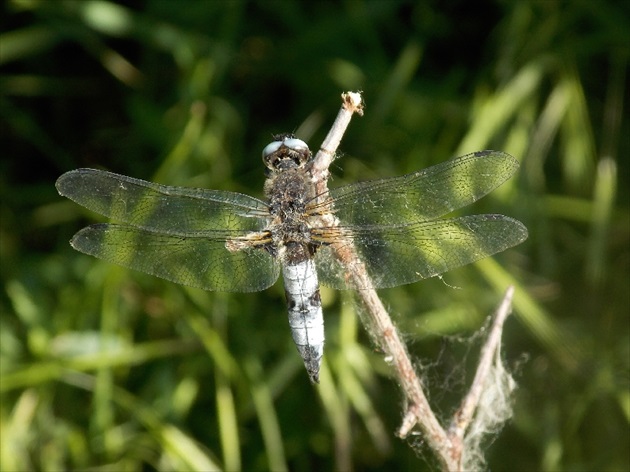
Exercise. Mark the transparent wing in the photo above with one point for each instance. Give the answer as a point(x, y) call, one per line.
point(423, 195)
point(159, 207)
point(198, 259)
point(402, 254)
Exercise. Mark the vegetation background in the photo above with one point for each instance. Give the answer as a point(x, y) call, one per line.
point(108, 369)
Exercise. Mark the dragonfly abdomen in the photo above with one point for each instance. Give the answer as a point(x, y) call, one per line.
point(305, 313)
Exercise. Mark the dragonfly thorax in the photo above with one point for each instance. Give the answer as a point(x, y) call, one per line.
point(288, 192)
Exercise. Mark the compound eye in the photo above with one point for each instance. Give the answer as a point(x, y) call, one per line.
point(295, 144)
point(271, 148)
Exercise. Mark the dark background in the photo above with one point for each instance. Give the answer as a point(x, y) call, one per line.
point(104, 367)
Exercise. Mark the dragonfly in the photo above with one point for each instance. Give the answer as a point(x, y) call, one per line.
point(225, 241)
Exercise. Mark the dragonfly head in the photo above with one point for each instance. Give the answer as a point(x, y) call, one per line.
point(286, 152)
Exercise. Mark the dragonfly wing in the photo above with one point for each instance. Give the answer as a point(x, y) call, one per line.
point(159, 207)
point(402, 254)
point(423, 195)
point(194, 259)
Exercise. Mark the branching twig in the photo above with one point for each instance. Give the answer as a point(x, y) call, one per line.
point(448, 447)
point(464, 415)
point(496, 386)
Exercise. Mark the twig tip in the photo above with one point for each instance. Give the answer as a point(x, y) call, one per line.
point(353, 101)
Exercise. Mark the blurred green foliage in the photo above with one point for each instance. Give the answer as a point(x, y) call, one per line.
point(109, 369)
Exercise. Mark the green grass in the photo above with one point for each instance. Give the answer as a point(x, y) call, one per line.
point(108, 369)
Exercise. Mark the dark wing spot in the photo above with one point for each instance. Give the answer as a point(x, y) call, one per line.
point(482, 153)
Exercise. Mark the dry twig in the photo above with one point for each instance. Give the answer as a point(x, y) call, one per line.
point(447, 446)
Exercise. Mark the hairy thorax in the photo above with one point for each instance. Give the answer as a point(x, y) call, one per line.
point(288, 192)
